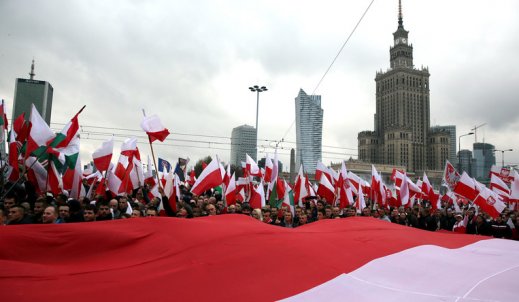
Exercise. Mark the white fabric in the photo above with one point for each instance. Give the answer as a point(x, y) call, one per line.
point(484, 271)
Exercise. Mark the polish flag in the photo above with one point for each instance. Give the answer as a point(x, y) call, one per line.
point(466, 187)
point(269, 167)
point(385, 261)
point(432, 196)
point(171, 189)
point(230, 191)
point(404, 193)
point(149, 179)
point(252, 166)
point(450, 176)
point(514, 188)
point(13, 158)
point(326, 190)
point(257, 199)
point(360, 203)
point(320, 170)
point(103, 155)
point(500, 187)
point(503, 173)
point(153, 127)
point(211, 176)
point(343, 188)
point(227, 176)
point(300, 190)
point(490, 202)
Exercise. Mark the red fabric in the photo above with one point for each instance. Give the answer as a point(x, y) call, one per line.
point(177, 256)
point(158, 135)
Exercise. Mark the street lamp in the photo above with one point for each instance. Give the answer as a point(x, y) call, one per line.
point(502, 156)
point(257, 89)
point(459, 149)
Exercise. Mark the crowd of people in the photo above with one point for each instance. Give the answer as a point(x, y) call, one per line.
point(22, 206)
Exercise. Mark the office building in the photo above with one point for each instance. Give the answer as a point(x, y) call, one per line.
point(484, 158)
point(31, 91)
point(309, 131)
point(243, 141)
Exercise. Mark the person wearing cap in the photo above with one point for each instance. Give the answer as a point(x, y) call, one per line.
point(460, 226)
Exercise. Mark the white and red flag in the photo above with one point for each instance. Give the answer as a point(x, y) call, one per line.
point(211, 176)
point(103, 155)
point(153, 127)
point(489, 202)
point(326, 190)
point(514, 188)
point(500, 187)
point(269, 167)
point(504, 173)
point(257, 199)
point(40, 134)
point(450, 176)
point(252, 167)
point(230, 190)
point(385, 262)
point(300, 188)
point(466, 187)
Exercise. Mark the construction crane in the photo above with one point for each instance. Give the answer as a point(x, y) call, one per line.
point(475, 129)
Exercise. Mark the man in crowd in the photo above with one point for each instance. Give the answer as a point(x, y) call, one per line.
point(89, 213)
point(16, 215)
point(64, 213)
point(50, 215)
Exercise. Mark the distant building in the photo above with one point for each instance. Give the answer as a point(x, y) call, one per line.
point(31, 91)
point(309, 131)
point(243, 141)
point(466, 162)
point(438, 147)
point(402, 134)
point(452, 131)
point(484, 158)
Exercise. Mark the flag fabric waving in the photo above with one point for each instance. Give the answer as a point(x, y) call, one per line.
point(385, 262)
point(153, 127)
point(103, 155)
point(210, 177)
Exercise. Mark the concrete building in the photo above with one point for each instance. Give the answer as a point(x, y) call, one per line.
point(309, 131)
point(243, 141)
point(451, 129)
point(402, 118)
point(31, 91)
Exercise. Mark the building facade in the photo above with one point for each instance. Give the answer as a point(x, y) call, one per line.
point(243, 141)
point(402, 118)
point(483, 159)
point(451, 129)
point(309, 131)
point(31, 91)
point(465, 161)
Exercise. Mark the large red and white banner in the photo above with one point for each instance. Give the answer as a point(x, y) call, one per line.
point(237, 258)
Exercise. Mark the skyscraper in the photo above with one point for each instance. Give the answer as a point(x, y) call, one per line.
point(243, 141)
point(484, 158)
point(309, 131)
point(31, 91)
point(402, 118)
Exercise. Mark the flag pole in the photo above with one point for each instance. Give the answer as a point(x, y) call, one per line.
point(153, 156)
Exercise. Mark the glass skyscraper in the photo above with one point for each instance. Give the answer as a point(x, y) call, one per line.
point(309, 131)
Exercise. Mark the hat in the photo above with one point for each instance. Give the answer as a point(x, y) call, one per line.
point(458, 214)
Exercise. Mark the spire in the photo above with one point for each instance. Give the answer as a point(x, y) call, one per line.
point(400, 20)
point(32, 74)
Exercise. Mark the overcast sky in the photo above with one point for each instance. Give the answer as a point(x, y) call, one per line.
point(191, 62)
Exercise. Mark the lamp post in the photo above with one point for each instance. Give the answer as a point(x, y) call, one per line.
point(257, 89)
point(503, 156)
point(459, 149)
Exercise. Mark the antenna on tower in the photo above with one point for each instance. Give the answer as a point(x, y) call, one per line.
point(400, 19)
point(32, 74)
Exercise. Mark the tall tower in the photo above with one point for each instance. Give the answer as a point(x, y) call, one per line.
point(309, 131)
point(243, 141)
point(31, 91)
point(402, 109)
